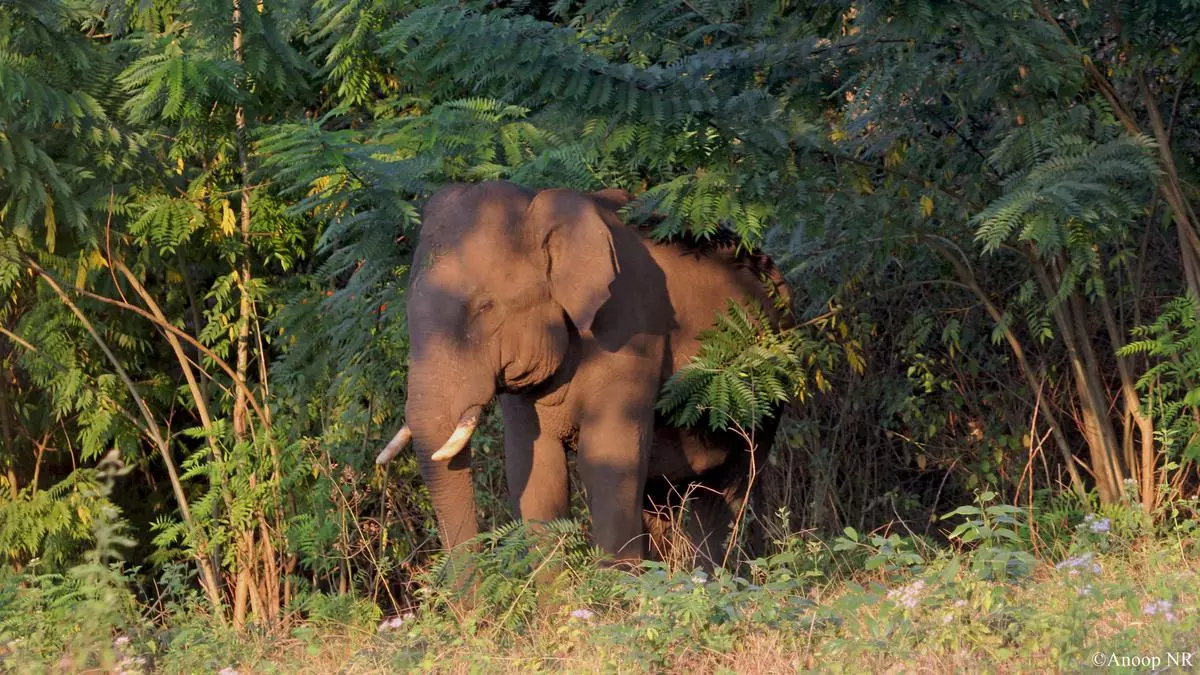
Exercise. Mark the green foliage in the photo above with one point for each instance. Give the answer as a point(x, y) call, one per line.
point(1170, 391)
point(891, 553)
point(52, 524)
point(744, 372)
point(73, 619)
point(774, 619)
point(85, 617)
point(995, 530)
point(57, 128)
point(1061, 185)
point(671, 613)
point(516, 566)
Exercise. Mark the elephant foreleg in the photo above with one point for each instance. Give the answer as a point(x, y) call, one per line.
point(614, 445)
point(535, 464)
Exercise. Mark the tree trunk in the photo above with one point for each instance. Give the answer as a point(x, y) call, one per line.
point(247, 550)
point(7, 435)
point(1103, 446)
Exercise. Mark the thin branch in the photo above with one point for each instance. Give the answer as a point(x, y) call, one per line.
point(240, 384)
point(945, 249)
point(180, 356)
point(152, 428)
point(17, 339)
point(910, 177)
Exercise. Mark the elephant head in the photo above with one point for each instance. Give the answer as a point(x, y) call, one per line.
point(501, 280)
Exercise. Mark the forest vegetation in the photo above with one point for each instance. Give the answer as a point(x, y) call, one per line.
point(986, 210)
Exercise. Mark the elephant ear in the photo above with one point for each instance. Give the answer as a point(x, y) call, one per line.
point(581, 261)
point(612, 199)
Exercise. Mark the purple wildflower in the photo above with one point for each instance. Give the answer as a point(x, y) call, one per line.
point(1084, 561)
point(1162, 608)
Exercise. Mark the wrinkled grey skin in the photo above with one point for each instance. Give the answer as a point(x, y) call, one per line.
point(546, 300)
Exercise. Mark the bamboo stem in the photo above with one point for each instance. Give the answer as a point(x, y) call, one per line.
point(1133, 406)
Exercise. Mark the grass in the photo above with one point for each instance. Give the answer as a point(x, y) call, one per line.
point(941, 619)
point(1112, 590)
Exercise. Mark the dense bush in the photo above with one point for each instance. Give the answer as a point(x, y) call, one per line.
point(985, 212)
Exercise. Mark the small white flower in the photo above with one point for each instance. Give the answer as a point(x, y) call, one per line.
point(394, 622)
point(582, 614)
point(908, 596)
point(700, 577)
point(947, 618)
point(131, 665)
point(121, 641)
point(228, 671)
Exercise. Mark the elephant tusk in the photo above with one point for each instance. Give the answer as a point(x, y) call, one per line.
point(394, 446)
point(458, 440)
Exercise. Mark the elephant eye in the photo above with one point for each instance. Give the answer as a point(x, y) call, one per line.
point(485, 306)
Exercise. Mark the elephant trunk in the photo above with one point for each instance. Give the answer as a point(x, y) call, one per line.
point(442, 413)
point(452, 492)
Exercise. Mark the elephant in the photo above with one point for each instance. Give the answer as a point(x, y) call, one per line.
point(547, 301)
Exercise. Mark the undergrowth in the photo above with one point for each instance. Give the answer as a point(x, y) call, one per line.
point(992, 593)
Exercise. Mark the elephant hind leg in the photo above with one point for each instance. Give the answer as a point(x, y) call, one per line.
point(737, 498)
point(663, 515)
point(657, 520)
point(686, 525)
point(725, 508)
point(707, 527)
